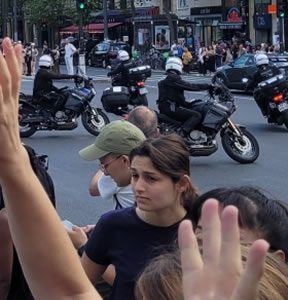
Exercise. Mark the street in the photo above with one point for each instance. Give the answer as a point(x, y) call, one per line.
point(72, 175)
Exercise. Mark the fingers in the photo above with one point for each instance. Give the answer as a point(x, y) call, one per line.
point(230, 254)
point(5, 77)
point(14, 62)
point(191, 260)
point(248, 285)
point(211, 233)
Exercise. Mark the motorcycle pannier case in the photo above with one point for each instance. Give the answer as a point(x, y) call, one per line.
point(114, 97)
point(215, 118)
point(139, 74)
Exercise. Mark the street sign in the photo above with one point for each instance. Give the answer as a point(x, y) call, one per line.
point(272, 9)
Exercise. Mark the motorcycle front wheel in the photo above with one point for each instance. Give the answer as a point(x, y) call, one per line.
point(94, 124)
point(244, 149)
point(26, 129)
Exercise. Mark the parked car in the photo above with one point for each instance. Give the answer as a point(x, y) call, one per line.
point(244, 67)
point(103, 53)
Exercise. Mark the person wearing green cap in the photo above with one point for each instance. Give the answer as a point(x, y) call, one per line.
point(112, 148)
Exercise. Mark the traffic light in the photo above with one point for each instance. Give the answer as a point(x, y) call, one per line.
point(282, 8)
point(81, 4)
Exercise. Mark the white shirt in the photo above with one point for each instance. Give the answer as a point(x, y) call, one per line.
point(69, 49)
point(108, 188)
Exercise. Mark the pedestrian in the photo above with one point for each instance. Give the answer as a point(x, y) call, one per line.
point(211, 60)
point(180, 49)
point(218, 55)
point(35, 53)
point(228, 59)
point(202, 59)
point(241, 50)
point(174, 50)
point(56, 60)
point(69, 52)
point(186, 58)
point(45, 48)
point(130, 237)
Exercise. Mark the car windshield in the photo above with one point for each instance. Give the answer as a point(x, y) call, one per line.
point(118, 47)
point(243, 60)
point(101, 47)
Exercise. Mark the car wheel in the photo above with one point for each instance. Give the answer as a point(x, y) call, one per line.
point(104, 63)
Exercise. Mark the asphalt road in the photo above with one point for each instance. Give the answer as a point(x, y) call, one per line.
point(72, 175)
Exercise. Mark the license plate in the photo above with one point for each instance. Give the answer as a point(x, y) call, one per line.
point(282, 106)
point(143, 91)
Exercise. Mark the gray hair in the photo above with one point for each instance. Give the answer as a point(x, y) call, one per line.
point(145, 119)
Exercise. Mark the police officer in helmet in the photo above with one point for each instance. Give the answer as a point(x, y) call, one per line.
point(121, 70)
point(265, 71)
point(43, 83)
point(171, 99)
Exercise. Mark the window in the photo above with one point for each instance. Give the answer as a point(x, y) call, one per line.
point(240, 62)
point(101, 47)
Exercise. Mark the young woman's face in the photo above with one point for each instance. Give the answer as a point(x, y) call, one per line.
point(153, 190)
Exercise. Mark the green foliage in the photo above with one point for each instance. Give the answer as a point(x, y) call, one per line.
point(56, 12)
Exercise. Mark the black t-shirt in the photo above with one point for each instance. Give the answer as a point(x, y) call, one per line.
point(121, 238)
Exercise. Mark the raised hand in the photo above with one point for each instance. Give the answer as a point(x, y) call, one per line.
point(10, 83)
point(218, 274)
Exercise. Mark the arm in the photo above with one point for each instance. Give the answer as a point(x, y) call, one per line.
point(6, 255)
point(30, 213)
point(93, 270)
point(54, 76)
point(116, 70)
point(187, 86)
point(93, 187)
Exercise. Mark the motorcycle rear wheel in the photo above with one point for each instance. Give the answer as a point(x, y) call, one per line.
point(26, 130)
point(244, 151)
point(91, 124)
point(141, 100)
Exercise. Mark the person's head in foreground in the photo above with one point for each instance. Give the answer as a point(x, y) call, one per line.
point(162, 278)
point(112, 148)
point(259, 216)
point(145, 119)
point(161, 174)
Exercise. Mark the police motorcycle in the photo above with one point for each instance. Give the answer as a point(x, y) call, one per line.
point(275, 90)
point(216, 108)
point(119, 100)
point(37, 115)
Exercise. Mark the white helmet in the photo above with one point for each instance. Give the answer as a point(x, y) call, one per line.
point(174, 63)
point(123, 55)
point(261, 59)
point(45, 61)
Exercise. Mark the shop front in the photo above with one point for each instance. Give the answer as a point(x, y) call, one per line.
point(206, 21)
point(154, 30)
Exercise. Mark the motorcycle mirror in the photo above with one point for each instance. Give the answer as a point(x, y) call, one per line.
point(244, 80)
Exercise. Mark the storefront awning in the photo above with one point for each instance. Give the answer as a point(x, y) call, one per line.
point(91, 28)
point(230, 25)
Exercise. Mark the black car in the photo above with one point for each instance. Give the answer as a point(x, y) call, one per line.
point(103, 53)
point(244, 67)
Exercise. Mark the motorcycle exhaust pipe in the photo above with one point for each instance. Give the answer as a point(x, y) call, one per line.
point(32, 120)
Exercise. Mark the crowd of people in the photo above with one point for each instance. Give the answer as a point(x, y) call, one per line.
point(161, 240)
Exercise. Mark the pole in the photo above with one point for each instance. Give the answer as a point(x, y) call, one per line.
point(15, 20)
point(81, 54)
point(105, 21)
point(281, 31)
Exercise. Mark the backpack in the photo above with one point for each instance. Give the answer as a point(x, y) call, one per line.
point(39, 163)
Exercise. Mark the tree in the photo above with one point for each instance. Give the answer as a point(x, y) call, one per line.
point(167, 9)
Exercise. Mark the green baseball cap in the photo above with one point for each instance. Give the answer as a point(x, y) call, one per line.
point(118, 137)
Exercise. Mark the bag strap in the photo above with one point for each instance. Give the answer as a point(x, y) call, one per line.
point(118, 204)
